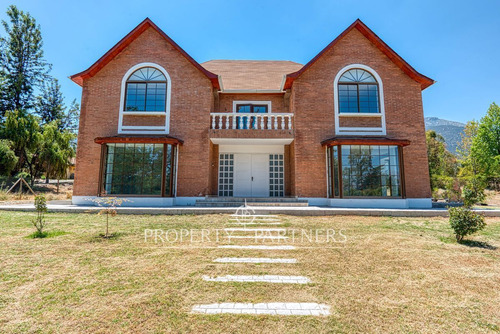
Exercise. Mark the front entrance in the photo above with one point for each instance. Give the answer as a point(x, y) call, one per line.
point(250, 175)
point(251, 171)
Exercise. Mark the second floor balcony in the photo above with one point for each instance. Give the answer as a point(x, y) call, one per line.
point(251, 121)
point(251, 125)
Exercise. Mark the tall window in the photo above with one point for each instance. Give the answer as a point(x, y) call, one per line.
point(358, 92)
point(364, 171)
point(138, 169)
point(146, 90)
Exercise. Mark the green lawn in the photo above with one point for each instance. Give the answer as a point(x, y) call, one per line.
point(391, 275)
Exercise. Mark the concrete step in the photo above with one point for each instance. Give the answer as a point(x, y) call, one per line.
point(252, 199)
point(218, 204)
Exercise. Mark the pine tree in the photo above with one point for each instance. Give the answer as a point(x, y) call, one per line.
point(22, 64)
point(50, 103)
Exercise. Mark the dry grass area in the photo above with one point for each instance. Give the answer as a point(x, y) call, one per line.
point(391, 275)
point(50, 191)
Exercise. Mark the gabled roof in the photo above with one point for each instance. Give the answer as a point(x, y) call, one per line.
point(372, 37)
point(252, 75)
point(129, 38)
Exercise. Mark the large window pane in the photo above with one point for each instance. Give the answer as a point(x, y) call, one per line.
point(137, 169)
point(366, 171)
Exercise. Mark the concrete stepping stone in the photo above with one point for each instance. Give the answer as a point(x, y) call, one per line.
point(258, 247)
point(253, 260)
point(304, 309)
point(256, 223)
point(241, 229)
point(259, 279)
point(256, 216)
point(268, 237)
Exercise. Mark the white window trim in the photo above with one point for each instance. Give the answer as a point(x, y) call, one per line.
point(268, 103)
point(368, 131)
point(147, 129)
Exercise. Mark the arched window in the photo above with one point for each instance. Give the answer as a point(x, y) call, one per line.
point(358, 92)
point(146, 90)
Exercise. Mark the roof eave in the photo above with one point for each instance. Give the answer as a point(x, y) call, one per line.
point(379, 43)
point(129, 38)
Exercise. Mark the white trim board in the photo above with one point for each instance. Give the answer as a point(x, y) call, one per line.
point(368, 131)
point(279, 149)
point(145, 129)
point(251, 141)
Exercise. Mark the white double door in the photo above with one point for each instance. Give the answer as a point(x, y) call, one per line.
point(251, 175)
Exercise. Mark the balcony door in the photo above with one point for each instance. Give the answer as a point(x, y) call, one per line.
point(251, 177)
point(247, 122)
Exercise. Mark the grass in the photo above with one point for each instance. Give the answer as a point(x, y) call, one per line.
point(391, 275)
point(45, 234)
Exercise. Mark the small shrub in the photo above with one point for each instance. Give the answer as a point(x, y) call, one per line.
point(41, 209)
point(465, 221)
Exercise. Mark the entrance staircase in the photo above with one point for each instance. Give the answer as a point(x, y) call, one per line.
point(219, 202)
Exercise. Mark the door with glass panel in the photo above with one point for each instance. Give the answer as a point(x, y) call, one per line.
point(251, 175)
point(249, 122)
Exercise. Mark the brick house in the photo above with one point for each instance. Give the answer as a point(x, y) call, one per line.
point(345, 130)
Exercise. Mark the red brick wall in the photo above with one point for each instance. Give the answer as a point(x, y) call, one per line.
point(226, 101)
point(312, 104)
point(191, 103)
point(192, 100)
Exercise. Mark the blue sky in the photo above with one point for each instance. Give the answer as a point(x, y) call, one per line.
point(454, 42)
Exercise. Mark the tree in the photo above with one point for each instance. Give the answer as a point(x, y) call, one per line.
point(22, 64)
point(23, 130)
point(469, 163)
point(39, 221)
point(485, 148)
point(56, 151)
point(50, 104)
point(442, 163)
point(71, 120)
point(8, 159)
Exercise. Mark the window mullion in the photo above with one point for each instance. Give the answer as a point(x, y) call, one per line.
point(359, 107)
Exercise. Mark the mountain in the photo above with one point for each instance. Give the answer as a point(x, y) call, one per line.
point(450, 130)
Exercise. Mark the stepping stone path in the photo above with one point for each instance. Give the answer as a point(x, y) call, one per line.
point(297, 309)
point(241, 229)
point(256, 224)
point(284, 247)
point(264, 279)
point(264, 308)
point(259, 237)
point(253, 260)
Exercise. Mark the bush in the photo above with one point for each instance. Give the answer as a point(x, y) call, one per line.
point(473, 192)
point(464, 222)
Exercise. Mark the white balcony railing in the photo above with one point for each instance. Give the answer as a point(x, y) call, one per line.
point(245, 121)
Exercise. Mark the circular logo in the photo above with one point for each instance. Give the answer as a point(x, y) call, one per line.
point(245, 214)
